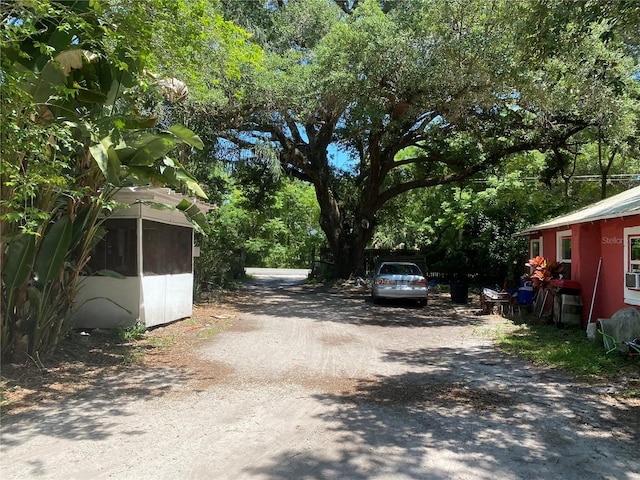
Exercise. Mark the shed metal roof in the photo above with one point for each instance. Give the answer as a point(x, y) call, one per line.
point(620, 205)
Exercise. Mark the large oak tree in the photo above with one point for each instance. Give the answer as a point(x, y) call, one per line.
point(422, 93)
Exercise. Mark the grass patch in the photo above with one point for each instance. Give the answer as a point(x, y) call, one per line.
point(210, 332)
point(162, 342)
point(570, 350)
point(132, 356)
point(131, 333)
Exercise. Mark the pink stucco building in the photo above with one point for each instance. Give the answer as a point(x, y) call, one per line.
point(599, 246)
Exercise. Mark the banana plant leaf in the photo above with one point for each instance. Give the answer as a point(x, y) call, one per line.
point(79, 226)
point(145, 175)
point(18, 261)
point(194, 215)
point(53, 251)
point(91, 96)
point(187, 136)
point(43, 86)
point(147, 148)
point(191, 212)
point(108, 273)
point(136, 121)
point(107, 160)
point(178, 175)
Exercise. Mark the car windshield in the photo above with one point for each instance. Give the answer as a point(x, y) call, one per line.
point(399, 269)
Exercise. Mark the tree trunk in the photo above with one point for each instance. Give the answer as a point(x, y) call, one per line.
point(605, 166)
point(348, 252)
point(347, 233)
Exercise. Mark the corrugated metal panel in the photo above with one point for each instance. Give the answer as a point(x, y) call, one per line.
point(621, 205)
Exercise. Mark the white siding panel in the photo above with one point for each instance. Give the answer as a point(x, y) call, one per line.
point(166, 298)
point(93, 310)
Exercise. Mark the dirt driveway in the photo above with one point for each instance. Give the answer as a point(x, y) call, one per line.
point(311, 383)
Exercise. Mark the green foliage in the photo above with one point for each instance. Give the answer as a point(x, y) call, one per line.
point(468, 229)
point(75, 91)
point(427, 93)
point(221, 260)
point(289, 235)
point(132, 332)
point(280, 233)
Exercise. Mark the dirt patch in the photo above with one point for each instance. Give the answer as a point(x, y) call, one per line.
point(336, 340)
point(444, 394)
point(83, 361)
point(246, 326)
point(310, 384)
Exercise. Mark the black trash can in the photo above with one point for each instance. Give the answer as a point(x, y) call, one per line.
point(459, 291)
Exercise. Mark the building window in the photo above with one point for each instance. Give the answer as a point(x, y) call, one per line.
point(563, 251)
point(117, 250)
point(634, 253)
point(535, 248)
point(563, 242)
point(566, 249)
point(166, 249)
point(632, 265)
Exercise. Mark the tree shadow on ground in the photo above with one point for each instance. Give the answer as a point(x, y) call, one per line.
point(470, 416)
point(459, 411)
point(319, 302)
point(85, 385)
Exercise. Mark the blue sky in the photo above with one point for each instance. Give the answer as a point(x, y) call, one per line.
point(339, 158)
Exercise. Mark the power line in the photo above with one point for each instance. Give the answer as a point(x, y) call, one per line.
point(622, 177)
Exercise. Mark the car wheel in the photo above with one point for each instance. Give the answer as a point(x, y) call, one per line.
point(376, 300)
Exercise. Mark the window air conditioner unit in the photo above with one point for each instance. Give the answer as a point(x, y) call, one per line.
point(632, 280)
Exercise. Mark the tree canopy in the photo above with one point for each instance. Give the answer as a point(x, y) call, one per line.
point(82, 84)
point(424, 93)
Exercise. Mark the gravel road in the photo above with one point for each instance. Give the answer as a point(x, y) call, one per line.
point(312, 383)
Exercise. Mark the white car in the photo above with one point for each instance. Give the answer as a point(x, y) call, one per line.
point(399, 280)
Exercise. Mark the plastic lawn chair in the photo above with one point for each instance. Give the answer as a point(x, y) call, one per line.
point(610, 343)
point(634, 347)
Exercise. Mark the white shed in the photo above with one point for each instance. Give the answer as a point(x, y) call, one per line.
point(153, 249)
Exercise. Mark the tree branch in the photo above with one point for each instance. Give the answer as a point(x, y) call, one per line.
point(493, 159)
